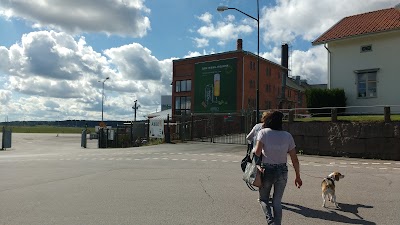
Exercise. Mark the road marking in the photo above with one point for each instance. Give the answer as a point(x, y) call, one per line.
point(365, 163)
point(183, 159)
point(316, 165)
point(328, 165)
point(396, 168)
point(384, 168)
point(387, 163)
point(356, 167)
point(342, 166)
point(375, 163)
point(354, 163)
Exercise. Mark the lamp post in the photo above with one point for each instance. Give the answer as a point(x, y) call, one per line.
point(102, 98)
point(135, 107)
point(223, 8)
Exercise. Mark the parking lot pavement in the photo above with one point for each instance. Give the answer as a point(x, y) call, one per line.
point(47, 179)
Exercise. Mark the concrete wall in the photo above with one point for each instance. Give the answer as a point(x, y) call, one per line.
point(376, 140)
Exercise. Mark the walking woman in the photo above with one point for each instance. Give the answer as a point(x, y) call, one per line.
point(273, 145)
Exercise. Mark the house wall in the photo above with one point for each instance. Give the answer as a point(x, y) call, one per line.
point(346, 57)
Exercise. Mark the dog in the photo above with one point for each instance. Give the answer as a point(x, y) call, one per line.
point(328, 187)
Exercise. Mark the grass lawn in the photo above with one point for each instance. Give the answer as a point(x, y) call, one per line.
point(358, 118)
point(48, 129)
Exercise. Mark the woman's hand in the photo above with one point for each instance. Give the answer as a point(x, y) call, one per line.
point(298, 182)
point(260, 168)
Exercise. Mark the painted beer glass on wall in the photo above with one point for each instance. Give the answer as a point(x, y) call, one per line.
point(215, 86)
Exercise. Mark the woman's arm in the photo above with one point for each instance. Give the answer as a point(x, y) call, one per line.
point(295, 161)
point(250, 136)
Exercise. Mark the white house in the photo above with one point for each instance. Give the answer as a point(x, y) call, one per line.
point(364, 59)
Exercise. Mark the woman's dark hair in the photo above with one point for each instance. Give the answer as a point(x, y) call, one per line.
point(272, 119)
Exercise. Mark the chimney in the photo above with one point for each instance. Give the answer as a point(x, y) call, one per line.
point(285, 55)
point(239, 45)
point(298, 81)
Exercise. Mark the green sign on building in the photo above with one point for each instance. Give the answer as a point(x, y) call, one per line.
point(215, 86)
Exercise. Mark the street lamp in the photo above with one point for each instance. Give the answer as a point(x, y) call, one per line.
point(223, 8)
point(102, 97)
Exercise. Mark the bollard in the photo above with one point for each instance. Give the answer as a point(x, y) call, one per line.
point(387, 114)
point(334, 115)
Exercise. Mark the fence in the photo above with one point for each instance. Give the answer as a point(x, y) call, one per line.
point(386, 111)
point(216, 128)
point(232, 128)
point(124, 135)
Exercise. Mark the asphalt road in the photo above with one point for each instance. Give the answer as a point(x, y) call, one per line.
point(46, 179)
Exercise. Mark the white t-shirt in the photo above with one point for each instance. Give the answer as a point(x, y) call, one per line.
point(277, 144)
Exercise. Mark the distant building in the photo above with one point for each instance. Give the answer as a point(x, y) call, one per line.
point(363, 58)
point(166, 102)
point(226, 83)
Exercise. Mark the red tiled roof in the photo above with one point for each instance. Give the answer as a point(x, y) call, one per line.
point(366, 23)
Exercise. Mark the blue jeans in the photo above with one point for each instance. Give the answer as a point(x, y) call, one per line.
point(275, 175)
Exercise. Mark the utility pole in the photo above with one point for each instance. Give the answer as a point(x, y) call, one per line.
point(135, 107)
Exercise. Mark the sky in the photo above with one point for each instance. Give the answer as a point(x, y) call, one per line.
point(55, 54)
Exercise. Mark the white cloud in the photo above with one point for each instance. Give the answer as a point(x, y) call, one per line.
point(5, 96)
point(224, 31)
point(310, 65)
point(206, 17)
point(126, 18)
point(54, 73)
point(201, 42)
point(307, 19)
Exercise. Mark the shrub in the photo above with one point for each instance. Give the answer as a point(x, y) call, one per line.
point(317, 98)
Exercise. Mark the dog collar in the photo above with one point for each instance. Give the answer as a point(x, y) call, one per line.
point(331, 179)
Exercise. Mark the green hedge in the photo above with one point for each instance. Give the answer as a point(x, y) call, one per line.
point(317, 98)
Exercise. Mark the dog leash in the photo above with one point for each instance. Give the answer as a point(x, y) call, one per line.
point(307, 174)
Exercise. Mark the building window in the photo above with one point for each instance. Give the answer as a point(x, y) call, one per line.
point(182, 105)
point(252, 84)
point(268, 88)
point(268, 72)
point(183, 85)
point(366, 48)
point(366, 85)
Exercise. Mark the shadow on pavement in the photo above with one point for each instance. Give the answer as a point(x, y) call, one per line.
point(330, 215)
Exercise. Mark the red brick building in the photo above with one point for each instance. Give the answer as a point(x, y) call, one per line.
point(226, 83)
